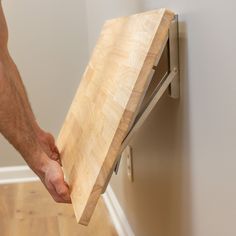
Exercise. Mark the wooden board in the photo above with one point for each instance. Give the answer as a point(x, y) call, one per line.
point(107, 101)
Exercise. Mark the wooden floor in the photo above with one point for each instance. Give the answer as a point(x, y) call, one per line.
point(28, 210)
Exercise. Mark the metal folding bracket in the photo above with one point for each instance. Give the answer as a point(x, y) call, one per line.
point(169, 81)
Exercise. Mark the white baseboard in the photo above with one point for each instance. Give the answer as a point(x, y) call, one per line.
point(117, 214)
point(20, 174)
point(16, 174)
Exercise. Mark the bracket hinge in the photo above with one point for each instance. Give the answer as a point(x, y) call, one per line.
point(170, 80)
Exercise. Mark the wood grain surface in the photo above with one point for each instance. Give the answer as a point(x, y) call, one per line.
point(107, 101)
point(27, 209)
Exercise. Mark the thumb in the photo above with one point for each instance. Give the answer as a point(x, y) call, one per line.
point(61, 188)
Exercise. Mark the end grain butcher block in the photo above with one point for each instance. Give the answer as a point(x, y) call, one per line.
point(107, 101)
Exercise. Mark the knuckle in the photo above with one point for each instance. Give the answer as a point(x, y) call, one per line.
point(62, 192)
point(56, 179)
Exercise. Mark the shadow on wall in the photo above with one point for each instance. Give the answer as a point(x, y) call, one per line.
point(158, 201)
point(182, 174)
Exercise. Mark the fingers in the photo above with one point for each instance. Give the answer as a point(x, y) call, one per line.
point(56, 157)
point(51, 143)
point(54, 194)
point(54, 181)
point(61, 189)
point(55, 153)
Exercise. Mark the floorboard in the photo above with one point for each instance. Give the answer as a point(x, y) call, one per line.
point(27, 209)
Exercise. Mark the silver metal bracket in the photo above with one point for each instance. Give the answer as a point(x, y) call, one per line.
point(165, 75)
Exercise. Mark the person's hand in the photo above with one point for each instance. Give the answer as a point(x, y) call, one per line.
point(49, 170)
point(51, 175)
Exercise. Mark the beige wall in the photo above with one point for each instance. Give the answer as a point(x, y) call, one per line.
point(48, 40)
point(184, 155)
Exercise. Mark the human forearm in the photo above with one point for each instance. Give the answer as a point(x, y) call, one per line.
point(18, 127)
point(11, 70)
point(46, 140)
point(16, 124)
point(16, 79)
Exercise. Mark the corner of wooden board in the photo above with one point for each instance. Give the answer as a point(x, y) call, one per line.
point(82, 222)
